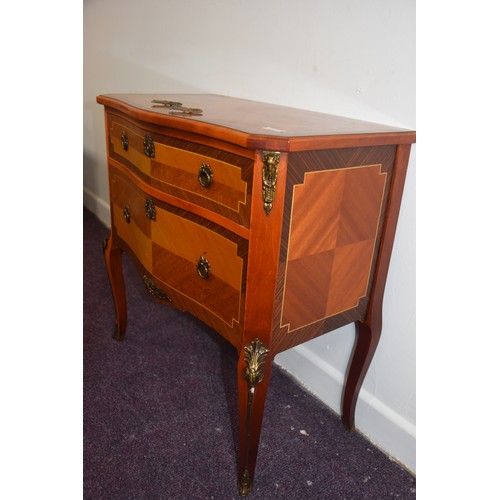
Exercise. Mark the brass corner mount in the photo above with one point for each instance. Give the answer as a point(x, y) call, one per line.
point(269, 178)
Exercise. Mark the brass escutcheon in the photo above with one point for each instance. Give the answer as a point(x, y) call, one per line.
point(149, 146)
point(124, 141)
point(150, 209)
point(205, 175)
point(126, 214)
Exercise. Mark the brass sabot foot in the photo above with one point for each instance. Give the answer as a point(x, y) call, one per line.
point(245, 484)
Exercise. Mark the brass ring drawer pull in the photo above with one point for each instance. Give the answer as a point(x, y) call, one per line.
point(205, 175)
point(126, 214)
point(149, 146)
point(203, 268)
point(125, 141)
point(150, 209)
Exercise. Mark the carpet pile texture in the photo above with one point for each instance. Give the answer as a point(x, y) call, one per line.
point(160, 412)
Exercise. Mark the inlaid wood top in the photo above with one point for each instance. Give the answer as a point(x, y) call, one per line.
point(255, 124)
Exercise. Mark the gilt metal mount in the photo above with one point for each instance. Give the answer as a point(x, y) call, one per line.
point(154, 290)
point(203, 268)
point(269, 178)
point(124, 141)
point(149, 146)
point(126, 214)
point(205, 175)
point(150, 209)
point(255, 356)
point(245, 483)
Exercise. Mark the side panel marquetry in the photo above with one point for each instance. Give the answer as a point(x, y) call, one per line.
point(334, 224)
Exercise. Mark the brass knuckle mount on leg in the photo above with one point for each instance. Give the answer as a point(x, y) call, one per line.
point(255, 356)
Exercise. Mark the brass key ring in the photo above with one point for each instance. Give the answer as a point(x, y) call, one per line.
point(176, 107)
point(166, 104)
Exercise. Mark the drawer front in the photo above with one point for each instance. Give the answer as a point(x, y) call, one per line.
point(214, 179)
point(129, 219)
point(198, 264)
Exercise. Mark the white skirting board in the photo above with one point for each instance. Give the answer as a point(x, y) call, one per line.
point(97, 206)
point(381, 425)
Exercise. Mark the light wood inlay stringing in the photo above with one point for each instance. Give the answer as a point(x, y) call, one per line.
point(266, 275)
point(333, 228)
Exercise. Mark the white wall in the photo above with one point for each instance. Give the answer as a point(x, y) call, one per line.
point(346, 57)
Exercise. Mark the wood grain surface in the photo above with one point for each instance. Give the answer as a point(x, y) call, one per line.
point(175, 167)
point(327, 254)
point(257, 125)
point(168, 249)
point(284, 259)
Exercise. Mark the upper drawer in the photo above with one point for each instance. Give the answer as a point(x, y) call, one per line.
point(215, 179)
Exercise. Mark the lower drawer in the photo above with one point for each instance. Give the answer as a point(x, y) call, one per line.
point(198, 265)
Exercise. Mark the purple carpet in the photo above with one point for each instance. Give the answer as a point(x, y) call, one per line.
point(160, 412)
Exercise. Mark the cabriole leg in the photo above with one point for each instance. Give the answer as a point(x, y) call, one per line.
point(254, 371)
point(367, 338)
point(113, 258)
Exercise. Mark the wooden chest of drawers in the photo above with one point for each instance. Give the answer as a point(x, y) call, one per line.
point(270, 224)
